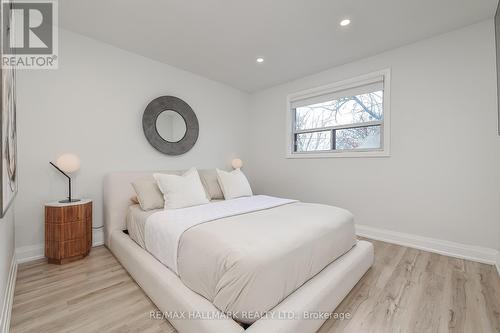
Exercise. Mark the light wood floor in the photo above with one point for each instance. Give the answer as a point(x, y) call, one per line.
point(406, 290)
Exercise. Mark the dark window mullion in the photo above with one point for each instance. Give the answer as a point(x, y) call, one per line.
point(333, 144)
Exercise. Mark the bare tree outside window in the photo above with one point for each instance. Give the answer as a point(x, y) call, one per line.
point(346, 123)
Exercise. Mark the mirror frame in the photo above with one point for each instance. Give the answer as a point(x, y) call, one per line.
point(170, 103)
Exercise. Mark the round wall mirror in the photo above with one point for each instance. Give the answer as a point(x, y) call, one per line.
point(171, 126)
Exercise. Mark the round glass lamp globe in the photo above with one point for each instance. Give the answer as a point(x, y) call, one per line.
point(237, 163)
point(68, 163)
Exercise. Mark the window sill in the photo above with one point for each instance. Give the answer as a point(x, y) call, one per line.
point(344, 154)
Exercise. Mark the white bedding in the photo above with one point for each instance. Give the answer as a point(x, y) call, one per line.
point(136, 223)
point(246, 255)
point(165, 228)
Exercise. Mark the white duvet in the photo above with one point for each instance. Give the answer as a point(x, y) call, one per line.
point(246, 255)
point(165, 228)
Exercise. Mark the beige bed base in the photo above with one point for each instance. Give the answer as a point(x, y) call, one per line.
point(321, 294)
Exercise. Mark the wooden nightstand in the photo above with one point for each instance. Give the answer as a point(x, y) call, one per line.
point(68, 231)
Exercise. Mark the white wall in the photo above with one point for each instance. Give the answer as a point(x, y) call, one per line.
point(92, 106)
point(442, 179)
point(6, 255)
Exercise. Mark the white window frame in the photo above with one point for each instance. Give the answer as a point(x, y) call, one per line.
point(330, 89)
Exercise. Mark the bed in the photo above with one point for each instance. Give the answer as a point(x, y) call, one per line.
point(266, 262)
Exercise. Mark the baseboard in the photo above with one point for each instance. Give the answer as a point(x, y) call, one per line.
point(447, 248)
point(9, 298)
point(30, 253)
point(35, 252)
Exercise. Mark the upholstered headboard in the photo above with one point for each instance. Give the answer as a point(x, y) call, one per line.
point(118, 192)
point(117, 195)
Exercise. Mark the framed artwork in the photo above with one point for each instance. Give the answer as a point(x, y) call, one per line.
point(8, 127)
point(497, 39)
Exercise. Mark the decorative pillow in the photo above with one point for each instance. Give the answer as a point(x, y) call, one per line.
point(234, 184)
point(148, 194)
point(211, 184)
point(181, 191)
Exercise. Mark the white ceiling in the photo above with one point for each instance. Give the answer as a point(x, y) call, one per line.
point(220, 39)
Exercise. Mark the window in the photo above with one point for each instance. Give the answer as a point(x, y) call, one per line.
point(349, 118)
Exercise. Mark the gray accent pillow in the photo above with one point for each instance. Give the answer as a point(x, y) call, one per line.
point(148, 194)
point(211, 184)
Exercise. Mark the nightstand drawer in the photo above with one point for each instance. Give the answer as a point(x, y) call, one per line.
point(65, 231)
point(73, 248)
point(66, 214)
point(65, 250)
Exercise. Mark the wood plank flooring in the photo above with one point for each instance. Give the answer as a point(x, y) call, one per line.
point(406, 290)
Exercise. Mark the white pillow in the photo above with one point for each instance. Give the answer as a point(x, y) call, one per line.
point(234, 184)
point(181, 191)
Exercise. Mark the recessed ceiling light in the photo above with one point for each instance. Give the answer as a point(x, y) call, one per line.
point(345, 22)
point(260, 60)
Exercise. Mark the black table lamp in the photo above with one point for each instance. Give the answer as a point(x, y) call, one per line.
point(67, 163)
